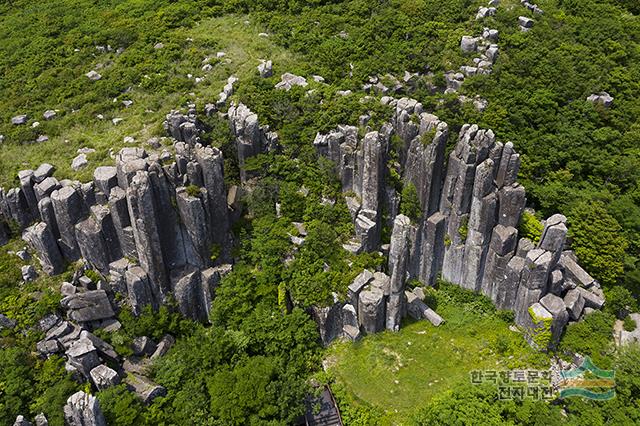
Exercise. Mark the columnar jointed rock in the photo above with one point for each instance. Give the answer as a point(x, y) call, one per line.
point(350, 325)
point(192, 295)
point(251, 139)
point(184, 128)
point(424, 165)
point(194, 218)
point(371, 310)
point(554, 236)
point(105, 179)
point(533, 283)
point(43, 242)
point(212, 165)
point(473, 148)
point(146, 229)
point(431, 248)
point(558, 311)
point(92, 245)
point(398, 261)
point(140, 290)
point(69, 208)
point(495, 282)
point(482, 218)
point(83, 410)
point(329, 320)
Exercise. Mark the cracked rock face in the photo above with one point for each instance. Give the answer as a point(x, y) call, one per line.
point(83, 410)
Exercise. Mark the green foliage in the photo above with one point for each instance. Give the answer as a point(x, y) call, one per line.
point(155, 324)
point(93, 275)
point(530, 227)
point(282, 297)
point(629, 324)
point(462, 406)
point(353, 411)
point(409, 202)
point(253, 374)
point(620, 301)
point(466, 405)
point(592, 336)
point(215, 251)
point(23, 378)
point(466, 300)
point(598, 242)
point(120, 406)
point(506, 316)
point(193, 191)
point(463, 229)
point(541, 335)
point(427, 137)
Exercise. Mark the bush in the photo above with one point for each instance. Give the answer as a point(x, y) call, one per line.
point(506, 316)
point(410, 204)
point(592, 336)
point(530, 227)
point(620, 301)
point(629, 324)
point(598, 241)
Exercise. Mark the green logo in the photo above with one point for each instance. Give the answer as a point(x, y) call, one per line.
point(588, 381)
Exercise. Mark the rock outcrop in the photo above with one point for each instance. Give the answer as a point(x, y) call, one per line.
point(466, 230)
point(153, 228)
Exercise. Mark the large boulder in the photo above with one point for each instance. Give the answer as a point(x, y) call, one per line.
point(83, 410)
point(104, 377)
point(21, 421)
point(469, 44)
point(83, 356)
point(574, 301)
point(146, 390)
point(88, 306)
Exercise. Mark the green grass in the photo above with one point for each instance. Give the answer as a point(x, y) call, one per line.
point(400, 372)
point(237, 36)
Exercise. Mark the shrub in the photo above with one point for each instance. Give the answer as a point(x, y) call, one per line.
point(592, 336)
point(598, 241)
point(530, 227)
point(463, 230)
point(629, 324)
point(620, 301)
point(506, 316)
point(410, 204)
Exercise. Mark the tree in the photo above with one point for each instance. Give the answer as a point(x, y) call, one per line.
point(598, 241)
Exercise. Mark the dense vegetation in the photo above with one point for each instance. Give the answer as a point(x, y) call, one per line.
point(253, 365)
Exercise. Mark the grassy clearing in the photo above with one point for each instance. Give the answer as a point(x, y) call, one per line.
point(398, 373)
